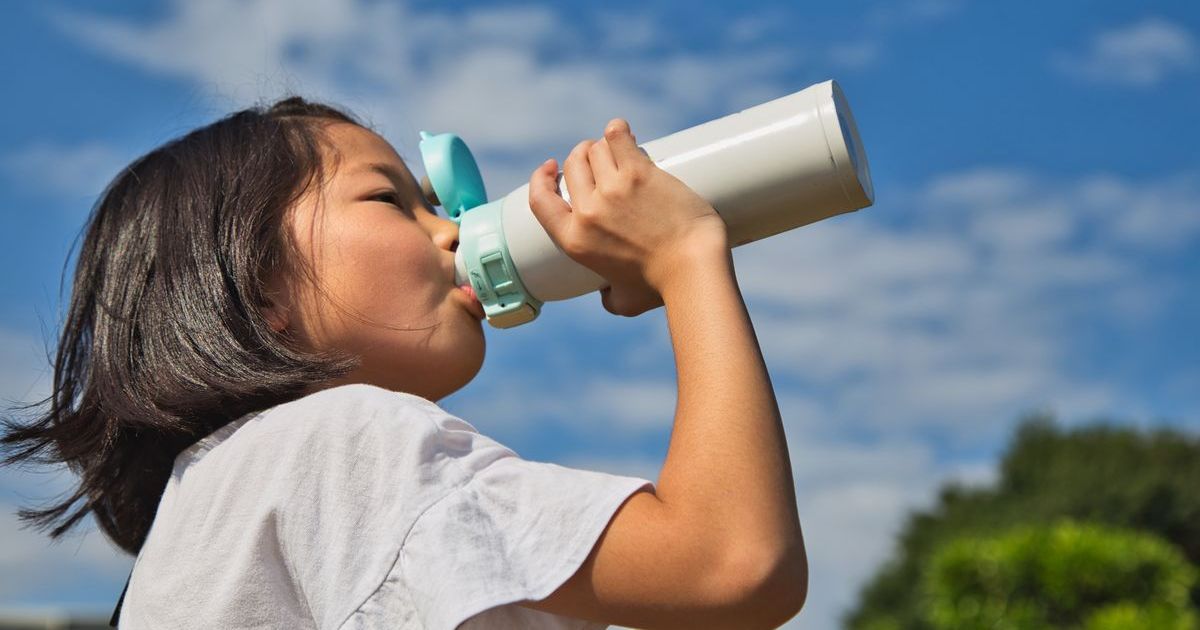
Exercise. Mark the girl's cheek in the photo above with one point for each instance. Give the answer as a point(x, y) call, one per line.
point(412, 269)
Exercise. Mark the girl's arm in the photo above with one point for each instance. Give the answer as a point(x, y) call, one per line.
point(719, 543)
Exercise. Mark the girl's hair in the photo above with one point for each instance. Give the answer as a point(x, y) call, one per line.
point(165, 340)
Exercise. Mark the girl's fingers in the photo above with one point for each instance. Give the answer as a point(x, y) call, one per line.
point(622, 144)
point(577, 172)
point(548, 207)
point(604, 166)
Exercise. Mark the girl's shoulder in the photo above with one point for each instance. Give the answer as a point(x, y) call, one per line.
point(356, 396)
point(352, 408)
point(347, 418)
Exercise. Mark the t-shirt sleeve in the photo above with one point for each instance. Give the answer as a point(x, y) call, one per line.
point(515, 530)
point(384, 500)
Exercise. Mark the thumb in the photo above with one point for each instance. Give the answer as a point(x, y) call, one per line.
point(628, 303)
point(550, 209)
point(611, 303)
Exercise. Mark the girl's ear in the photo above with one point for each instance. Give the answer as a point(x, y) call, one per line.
point(277, 317)
point(278, 307)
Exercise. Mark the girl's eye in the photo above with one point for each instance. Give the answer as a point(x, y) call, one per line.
point(388, 197)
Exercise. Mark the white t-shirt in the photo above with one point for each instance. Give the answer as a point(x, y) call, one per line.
point(358, 507)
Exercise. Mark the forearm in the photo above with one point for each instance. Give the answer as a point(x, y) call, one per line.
point(727, 461)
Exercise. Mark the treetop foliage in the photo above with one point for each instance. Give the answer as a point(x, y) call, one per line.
point(1147, 481)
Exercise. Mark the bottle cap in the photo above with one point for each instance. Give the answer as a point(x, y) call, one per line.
point(452, 172)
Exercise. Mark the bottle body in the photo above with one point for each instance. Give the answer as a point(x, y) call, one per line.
point(766, 170)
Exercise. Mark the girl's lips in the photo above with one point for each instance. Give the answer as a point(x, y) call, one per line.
point(475, 306)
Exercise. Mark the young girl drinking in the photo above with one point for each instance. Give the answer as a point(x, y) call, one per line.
point(263, 317)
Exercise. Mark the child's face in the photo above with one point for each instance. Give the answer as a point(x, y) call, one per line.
point(380, 251)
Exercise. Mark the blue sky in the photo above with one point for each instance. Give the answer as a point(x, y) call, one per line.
point(1033, 245)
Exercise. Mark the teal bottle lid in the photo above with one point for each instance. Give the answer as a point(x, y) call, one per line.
point(452, 172)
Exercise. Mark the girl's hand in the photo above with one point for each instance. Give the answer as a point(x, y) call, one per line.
point(631, 222)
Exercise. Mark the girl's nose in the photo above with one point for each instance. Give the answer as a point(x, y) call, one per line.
point(445, 234)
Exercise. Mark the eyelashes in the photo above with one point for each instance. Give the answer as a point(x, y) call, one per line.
point(393, 198)
point(389, 197)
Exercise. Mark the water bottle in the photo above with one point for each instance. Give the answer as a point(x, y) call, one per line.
point(767, 169)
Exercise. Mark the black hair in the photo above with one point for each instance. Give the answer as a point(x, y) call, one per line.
point(165, 338)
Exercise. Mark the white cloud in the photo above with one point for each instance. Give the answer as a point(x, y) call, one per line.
point(226, 45)
point(43, 565)
point(851, 521)
point(979, 187)
point(965, 318)
point(911, 12)
point(635, 403)
point(1141, 54)
point(68, 172)
point(858, 54)
point(620, 406)
point(25, 374)
point(752, 28)
point(879, 23)
point(511, 80)
point(628, 32)
point(1163, 216)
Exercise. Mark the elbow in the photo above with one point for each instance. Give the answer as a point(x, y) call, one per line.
point(771, 589)
point(782, 587)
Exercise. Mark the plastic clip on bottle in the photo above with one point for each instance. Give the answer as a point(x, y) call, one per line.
point(766, 170)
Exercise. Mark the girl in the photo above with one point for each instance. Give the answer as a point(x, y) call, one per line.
point(262, 319)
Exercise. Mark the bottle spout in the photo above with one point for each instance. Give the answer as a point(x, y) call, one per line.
point(461, 275)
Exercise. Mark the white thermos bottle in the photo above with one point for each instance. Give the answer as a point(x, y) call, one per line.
point(766, 170)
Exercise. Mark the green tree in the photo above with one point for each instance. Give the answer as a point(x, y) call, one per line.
point(1146, 481)
point(1066, 575)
